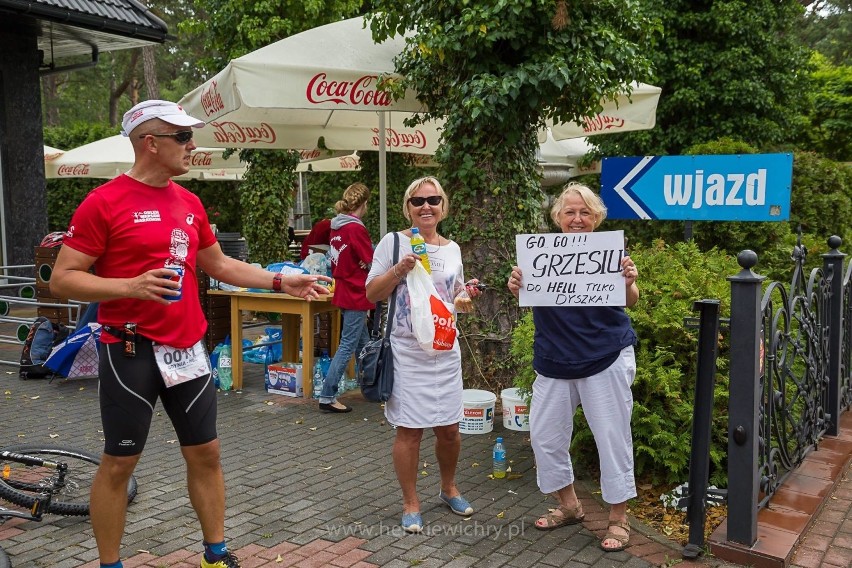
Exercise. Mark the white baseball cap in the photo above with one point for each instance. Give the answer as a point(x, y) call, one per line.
point(164, 110)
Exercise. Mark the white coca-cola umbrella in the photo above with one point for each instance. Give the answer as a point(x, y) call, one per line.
point(318, 84)
point(348, 163)
point(51, 153)
point(638, 112)
point(112, 156)
point(558, 159)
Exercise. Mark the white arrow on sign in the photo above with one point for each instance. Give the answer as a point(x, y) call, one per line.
point(635, 172)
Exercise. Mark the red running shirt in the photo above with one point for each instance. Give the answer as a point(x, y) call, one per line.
point(131, 228)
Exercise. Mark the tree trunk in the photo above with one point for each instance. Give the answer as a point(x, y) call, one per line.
point(50, 96)
point(116, 91)
point(149, 67)
point(483, 220)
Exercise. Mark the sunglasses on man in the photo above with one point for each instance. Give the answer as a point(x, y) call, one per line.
point(432, 200)
point(181, 136)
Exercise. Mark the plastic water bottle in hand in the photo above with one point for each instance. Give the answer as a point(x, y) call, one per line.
point(499, 459)
point(418, 247)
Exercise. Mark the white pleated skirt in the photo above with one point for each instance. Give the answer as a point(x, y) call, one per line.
point(427, 388)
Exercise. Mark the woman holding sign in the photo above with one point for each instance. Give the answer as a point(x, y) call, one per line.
point(583, 355)
point(427, 390)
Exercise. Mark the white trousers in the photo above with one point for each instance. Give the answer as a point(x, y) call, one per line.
point(607, 404)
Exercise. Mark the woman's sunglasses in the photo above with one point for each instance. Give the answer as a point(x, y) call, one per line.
point(431, 200)
point(181, 136)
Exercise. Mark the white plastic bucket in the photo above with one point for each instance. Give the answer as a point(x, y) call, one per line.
point(516, 413)
point(478, 412)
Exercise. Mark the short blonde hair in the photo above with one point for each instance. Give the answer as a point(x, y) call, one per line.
point(417, 184)
point(589, 197)
point(354, 197)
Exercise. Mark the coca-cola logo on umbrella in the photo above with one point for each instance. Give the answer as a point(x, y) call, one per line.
point(348, 163)
point(201, 159)
point(601, 122)
point(73, 170)
point(309, 154)
point(397, 139)
point(236, 133)
point(211, 100)
point(360, 92)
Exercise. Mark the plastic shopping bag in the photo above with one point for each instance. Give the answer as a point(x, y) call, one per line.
point(432, 319)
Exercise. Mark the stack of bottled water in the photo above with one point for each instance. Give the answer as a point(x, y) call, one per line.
point(320, 371)
point(347, 383)
point(318, 379)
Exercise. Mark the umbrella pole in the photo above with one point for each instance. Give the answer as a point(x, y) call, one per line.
point(383, 190)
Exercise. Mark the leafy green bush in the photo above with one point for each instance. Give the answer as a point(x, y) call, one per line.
point(822, 197)
point(266, 197)
point(221, 200)
point(672, 278)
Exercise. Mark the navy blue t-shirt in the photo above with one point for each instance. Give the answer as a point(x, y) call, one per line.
point(578, 342)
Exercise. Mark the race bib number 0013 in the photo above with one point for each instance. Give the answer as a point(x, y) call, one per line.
point(178, 365)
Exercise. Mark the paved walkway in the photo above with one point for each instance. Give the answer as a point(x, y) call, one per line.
point(312, 489)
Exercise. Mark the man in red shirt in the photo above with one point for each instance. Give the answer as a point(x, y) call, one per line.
point(319, 235)
point(145, 235)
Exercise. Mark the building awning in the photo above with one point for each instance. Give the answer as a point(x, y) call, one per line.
point(68, 28)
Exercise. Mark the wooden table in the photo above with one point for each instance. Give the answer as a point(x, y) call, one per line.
point(297, 320)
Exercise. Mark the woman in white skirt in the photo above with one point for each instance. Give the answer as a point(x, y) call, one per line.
point(583, 355)
point(427, 391)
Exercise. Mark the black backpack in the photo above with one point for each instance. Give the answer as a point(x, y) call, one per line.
point(42, 337)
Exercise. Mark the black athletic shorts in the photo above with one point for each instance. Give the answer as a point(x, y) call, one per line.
point(128, 389)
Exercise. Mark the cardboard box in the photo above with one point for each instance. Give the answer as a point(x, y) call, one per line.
point(285, 379)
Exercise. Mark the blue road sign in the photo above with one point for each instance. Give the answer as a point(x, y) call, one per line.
point(743, 187)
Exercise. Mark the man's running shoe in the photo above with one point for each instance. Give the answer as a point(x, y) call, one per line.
point(228, 561)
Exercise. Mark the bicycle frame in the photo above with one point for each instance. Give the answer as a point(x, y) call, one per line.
point(60, 467)
point(42, 500)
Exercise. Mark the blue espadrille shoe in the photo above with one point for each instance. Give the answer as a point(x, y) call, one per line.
point(457, 504)
point(412, 523)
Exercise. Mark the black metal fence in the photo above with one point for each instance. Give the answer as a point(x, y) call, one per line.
point(788, 346)
point(789, 381)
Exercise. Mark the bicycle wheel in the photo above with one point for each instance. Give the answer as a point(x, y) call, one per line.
point(69, 494)
point(4, 560)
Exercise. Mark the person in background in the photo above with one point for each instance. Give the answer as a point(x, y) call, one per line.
point(427, 391)
point(319, 235)
point(351, 253)
point(583, 355)
point(135, 230)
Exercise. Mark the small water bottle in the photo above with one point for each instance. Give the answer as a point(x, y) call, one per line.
point(325, 362)
point(271, 381)
point(418, 247)
point(225, 365)
point(318, 379)
point(499, 455)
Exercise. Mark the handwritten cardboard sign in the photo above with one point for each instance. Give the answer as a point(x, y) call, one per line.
point(572, 269)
